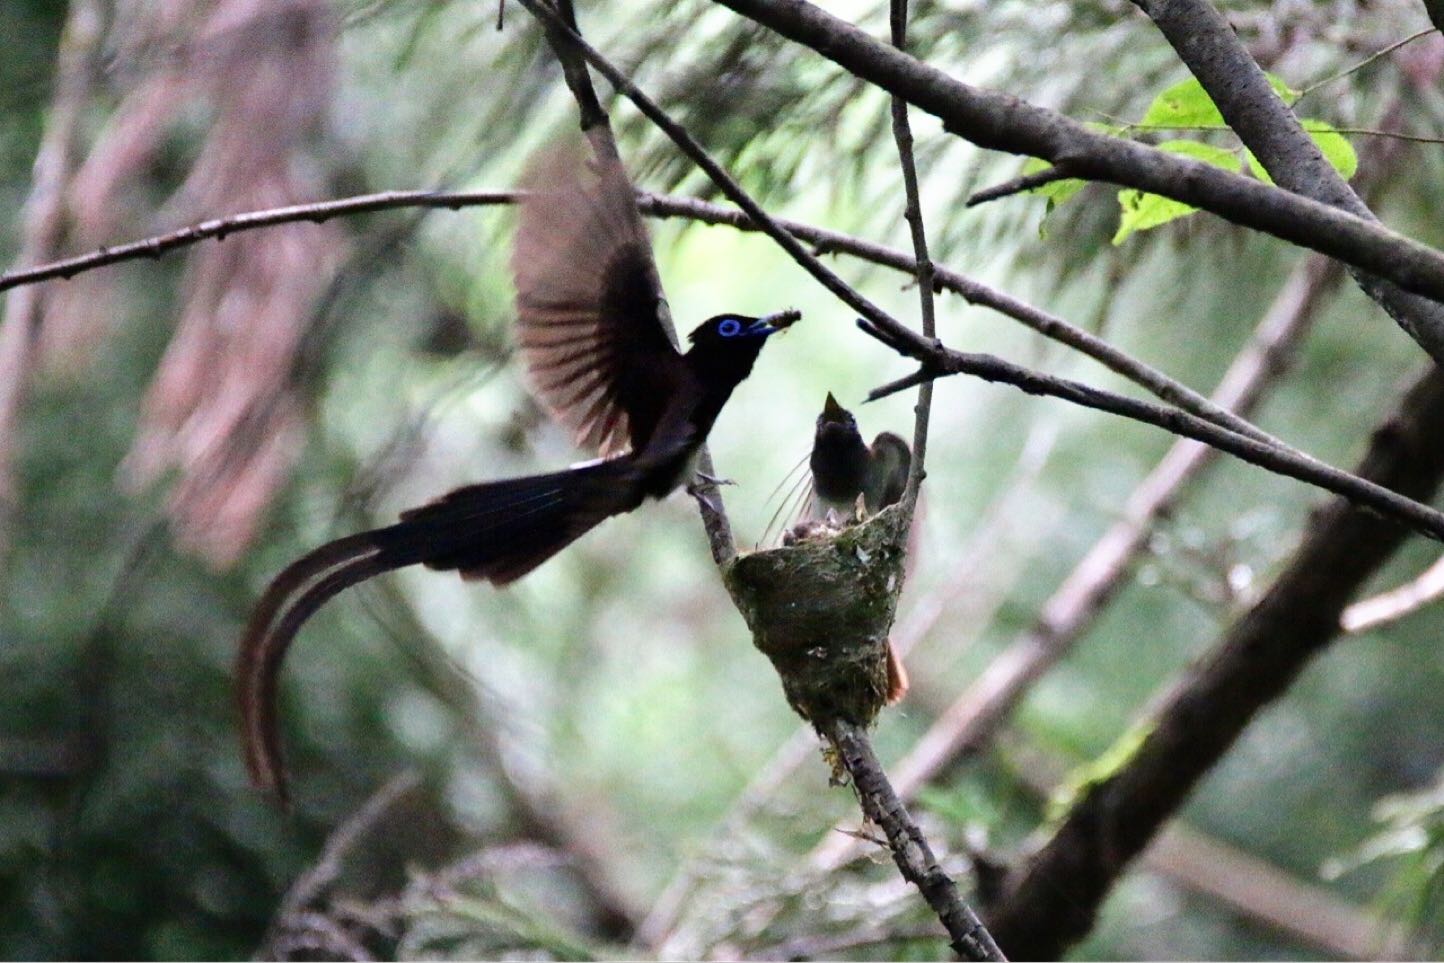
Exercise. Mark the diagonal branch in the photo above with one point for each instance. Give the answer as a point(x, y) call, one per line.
point(1053, 899)
point(941, 361)
point(910, 850)
point(998, 121)
point(665, 206)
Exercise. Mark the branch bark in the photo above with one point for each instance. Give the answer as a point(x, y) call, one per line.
point(1052, 900)
point(664, 206)
point(1000, 122)
point(941, 361)
point(910, 850)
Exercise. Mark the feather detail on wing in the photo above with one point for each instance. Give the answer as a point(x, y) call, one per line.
point(590, 306)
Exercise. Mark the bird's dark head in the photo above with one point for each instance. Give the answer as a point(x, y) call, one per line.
point(728, 344)
point(835, 414)
point(733, 332)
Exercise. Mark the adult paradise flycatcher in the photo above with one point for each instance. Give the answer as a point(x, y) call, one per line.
point(590, 312)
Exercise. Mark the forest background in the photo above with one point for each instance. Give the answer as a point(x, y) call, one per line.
point(596, 757)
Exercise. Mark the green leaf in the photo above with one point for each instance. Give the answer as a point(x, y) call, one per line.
point(1142, 211)
point(1056, 192)
point(1334, 146)
point(1187, 104)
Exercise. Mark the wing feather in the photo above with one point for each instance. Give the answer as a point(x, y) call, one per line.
point(590, 306)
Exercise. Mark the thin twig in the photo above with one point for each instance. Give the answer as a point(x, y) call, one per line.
point(974, 292)
point(1380, 610)
point(903, 135)
point(1360, 66)
point(910, 850)
point(221, 227)
point(1027, 182)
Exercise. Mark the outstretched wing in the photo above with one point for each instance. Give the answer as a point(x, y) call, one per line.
point(590, 306)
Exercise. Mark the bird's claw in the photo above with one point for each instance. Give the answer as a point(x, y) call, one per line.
point(704, 480)
point(706, 495)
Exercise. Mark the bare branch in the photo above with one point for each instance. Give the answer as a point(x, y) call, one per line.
point(1417, 516)
point(221, 227)
point(903, 135)
point(663, 206)
point(1391, 606)
point(910, 850)
point(1018, 185)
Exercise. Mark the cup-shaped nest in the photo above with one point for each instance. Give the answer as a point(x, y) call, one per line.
point(821, 610)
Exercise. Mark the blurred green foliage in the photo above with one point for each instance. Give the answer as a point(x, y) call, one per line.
point(617, 685)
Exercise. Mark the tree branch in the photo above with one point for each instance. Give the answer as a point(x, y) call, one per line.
point(910, 850)
point(664, 206)
point(222, 227)
point(1240, 89)
point(1054, 898)
point(944, 361)
point(1000, 122)
point(1380, 610)
point(975, 292)
point(903, 135)
point(1018, 185)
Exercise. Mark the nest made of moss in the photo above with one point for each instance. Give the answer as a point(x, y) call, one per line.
point(821, 610)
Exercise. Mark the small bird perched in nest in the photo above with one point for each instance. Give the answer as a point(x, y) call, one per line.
point(852, 481)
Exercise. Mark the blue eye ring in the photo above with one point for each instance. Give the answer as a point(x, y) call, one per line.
point(729, 328)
